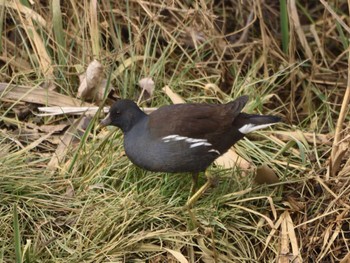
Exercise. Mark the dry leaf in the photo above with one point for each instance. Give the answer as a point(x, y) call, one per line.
point(265, 175)
point(337, 159)
point(147, 84)
point(94, 74)
point(193, 37)
point(293, 239)
point(346, 259)
point(175, 98)
point(70, 190)
point(154, 248)
point(345, 170)
point(287, 238)
point(92, 85)
point(213, 89)
point(294, 204)
point(231, 159)
point(284, 243)
point(181, 258)
point(52, 128)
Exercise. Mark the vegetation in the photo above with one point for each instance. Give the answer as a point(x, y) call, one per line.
point(68, 192)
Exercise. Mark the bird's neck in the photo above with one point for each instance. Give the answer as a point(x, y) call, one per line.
point(134, 118)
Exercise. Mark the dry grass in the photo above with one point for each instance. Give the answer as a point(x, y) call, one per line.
point(70, 195)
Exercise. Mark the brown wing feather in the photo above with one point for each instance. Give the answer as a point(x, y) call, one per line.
point(195, 120)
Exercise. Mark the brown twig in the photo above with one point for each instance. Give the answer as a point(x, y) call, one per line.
point(334, 168)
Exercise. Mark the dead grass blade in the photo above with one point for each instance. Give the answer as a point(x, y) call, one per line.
point(335, 15)
point(334, 162)
point(331, 234)
point(268, 220)
point(32, 145)
point(175, 98)
point(94, 29)
point(65, 144)
point(346, 259)
point(126, 64)
point(58, 31)
point(181, 258)
point(27, 12)
point(53, 111)
point(36, 40)
point(293, 239)
point(295, 21)
point(38, 95)
point(313, 138)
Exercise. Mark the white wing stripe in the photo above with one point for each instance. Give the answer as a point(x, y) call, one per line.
point(192, 141)
point(200, 144)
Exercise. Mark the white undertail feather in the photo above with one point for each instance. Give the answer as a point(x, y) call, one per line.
point(214, 151)
point(247, 128)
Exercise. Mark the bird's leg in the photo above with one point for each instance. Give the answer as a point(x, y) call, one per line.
point(194, 183)
point(200, 192)
point(193, 223)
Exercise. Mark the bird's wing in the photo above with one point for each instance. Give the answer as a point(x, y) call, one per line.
point(204, 121)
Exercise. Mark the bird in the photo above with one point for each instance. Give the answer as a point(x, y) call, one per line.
point(183, 138)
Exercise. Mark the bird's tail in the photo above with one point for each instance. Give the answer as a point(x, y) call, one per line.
point(251, 122)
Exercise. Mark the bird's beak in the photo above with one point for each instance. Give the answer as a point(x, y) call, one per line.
point(106, 121)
